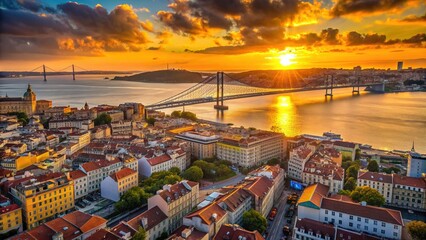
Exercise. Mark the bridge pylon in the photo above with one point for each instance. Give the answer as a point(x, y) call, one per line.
point(73, 72)
point(219, 92)
point(44, 73)
point(355, 87)
point(329, 86)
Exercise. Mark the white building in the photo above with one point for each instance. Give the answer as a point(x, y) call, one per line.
point(298, 157)
point(82, 139)
point(208, 219)
point(80, 183)
point(97, 171)
point(236, 202)
point(116, 184)
point(343, 213)
point(84, 124)
point(202, 144)
point(382, 182)
point(154, 221)
point(416, 164)
point(173, 158)
point(251, 151)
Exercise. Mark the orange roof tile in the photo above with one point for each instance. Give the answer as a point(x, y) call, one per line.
point(206, 213)
point(153, 216)
point(158, 160)
point(76, 174)
point(124, 172)
point(230, 232)
point(84, 221)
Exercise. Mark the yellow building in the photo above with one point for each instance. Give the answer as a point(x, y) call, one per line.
point(26, 104)
point(44, 198)
point(21, 162)
point(10, 216)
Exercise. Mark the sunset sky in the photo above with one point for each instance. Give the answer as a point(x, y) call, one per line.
point(212, 34)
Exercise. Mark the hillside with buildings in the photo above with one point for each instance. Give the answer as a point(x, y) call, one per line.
point(164, 76)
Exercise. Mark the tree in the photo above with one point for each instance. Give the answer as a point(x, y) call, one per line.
point(253, 220)
point(21, 116)
point(193, 173)
point(373, 166)
point(150, 121)
point(345, 192)
point(369, 195)
point(352, 171)
point(350, 184)
point(417, 230)
point(163, 236)
point(391, 170)
point(273, 161)
point(189, 115)
point(131, 199)
point(140, 234)
point(103, 119)
point(358, 154)
point(175, 170)
point(176, 114)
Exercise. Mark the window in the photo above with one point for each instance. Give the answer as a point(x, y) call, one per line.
point(359, 219)
point(383, 224)
point(375, 222)
point(366, 228)
point(374, 229)
point(366, 220)
point(326, 219)
point(383, 231)
point(351, 224)
point(351, 217)
point(395, 227)
point(333, 213)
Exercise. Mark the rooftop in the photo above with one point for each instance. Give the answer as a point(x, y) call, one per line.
point(148, 219)
point(123, 173)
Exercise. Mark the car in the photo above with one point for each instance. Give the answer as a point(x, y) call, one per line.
point(289, 213)
point(289, 220)
point(410, 211)
point(286, 230)
point(292, 207)
point(273, 213)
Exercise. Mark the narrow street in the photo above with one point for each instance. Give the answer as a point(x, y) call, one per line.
point(275, 229)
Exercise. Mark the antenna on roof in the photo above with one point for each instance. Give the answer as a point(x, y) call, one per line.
point(412, 149)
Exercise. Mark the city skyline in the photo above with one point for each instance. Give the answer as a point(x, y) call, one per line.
point(212, 35)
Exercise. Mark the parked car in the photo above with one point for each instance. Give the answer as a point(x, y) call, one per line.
point(286, 230)
point(273, 213)
point(289, 213)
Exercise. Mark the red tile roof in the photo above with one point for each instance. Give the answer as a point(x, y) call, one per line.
point(160, 159)
point(230, 232)
point(409, 181)
point(22, 236)
point(42, 232)
point(206, 214)
point(356, 209)
point(375, 176)
point(234, 198)
point(260, 186)
point(104, 235)
point(316, 227)
point(76, 174)
point(84, 221)
point(343, 234)
point(124, 172)
point(9, 208)
point(177, 190)
point(68, 230)
point(123, 227)
point(153, 216)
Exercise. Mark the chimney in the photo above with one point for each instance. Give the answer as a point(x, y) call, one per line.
point(167, 187)
point(144, 222)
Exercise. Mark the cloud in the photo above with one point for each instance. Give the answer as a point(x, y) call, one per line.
point(355, 38)
point(75, 28)
point(413, 18)
point(345, 7)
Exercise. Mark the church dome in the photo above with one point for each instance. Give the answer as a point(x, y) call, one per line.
point(29, 94)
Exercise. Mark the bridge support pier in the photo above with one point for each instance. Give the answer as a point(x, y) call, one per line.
point(329, 86)
point(44, 73)
point(355, 87)
point(219, 93)
point(73, 73)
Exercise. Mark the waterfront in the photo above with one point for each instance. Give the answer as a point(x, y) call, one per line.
point(390, 121)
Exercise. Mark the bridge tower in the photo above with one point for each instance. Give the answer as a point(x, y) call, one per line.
point(73, 73)
point(219, 92)
point(355, 86)
point(329, 81)
point(44, 73)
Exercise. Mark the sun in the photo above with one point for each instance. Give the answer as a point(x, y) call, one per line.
point(285, 59)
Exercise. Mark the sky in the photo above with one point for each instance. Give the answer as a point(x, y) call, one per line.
point(211, 35)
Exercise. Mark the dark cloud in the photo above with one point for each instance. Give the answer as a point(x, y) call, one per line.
point(330, 36)
point(355, 38)
point(344, 7)
point(73, 28)
point(153, 48)
point(416, 39)
point(415, 19)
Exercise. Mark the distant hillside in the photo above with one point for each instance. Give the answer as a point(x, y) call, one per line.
point(164, 76)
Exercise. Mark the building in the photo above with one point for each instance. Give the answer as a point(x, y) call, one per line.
point(409, 192)
point(26, 104)
point(81, 138)
point(42, 106)
point(251, 151)
point(163, 162)
point(315, 204)
point(202, 144)
point(298, 157)
point(176, 201)
point(347, 149)
point(262, 190)
point(416, 164)
point(323, 167)
point(44, 197)
point(208, 219)
point(400, 66)
point(382, 182)
point(153, 221)
point(116, 184)
point(10, 216)
point(274, 173)
point(80, 183)
point(75, 225)
point(235, 232)
point(236, 202)
point(122, 127)
point(98, 170)
point(71, 122)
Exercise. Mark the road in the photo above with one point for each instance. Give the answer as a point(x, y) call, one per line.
point(276, 226)
point(227, 182)
point(127, 216)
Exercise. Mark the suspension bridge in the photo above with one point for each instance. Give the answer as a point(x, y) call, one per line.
point(221, 87)
point(71, 69)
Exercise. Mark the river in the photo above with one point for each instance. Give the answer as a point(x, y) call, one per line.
point(387, 121)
